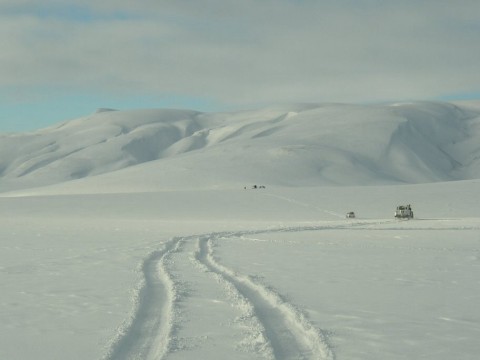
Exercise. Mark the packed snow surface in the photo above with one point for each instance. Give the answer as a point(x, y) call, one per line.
point(174, 234)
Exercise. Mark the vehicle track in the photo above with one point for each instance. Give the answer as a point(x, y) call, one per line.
point(147, 334)
point(287, 329)
point(278, 329)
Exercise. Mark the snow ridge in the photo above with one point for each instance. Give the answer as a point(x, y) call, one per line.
point(287, 329)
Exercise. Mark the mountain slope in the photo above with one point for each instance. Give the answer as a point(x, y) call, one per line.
point(325, 144)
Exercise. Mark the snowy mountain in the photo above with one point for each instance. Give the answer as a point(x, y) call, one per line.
point(295, 145)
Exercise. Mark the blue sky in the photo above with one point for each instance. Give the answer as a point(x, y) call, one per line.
point(63, 60)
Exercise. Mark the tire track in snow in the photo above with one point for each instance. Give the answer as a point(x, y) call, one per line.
point(255, 339)
point(288, 331)
point(278, 329)
point(148, 332)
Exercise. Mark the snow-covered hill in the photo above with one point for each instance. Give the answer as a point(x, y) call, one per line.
point(294, 145)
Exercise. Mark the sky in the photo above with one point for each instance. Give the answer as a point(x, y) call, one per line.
point(61, 60)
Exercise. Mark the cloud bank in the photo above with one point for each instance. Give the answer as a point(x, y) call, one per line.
point(242, 52)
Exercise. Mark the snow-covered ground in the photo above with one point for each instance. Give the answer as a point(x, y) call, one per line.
point(127, 236)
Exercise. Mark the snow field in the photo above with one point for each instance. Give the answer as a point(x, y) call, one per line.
point(285, 279)
point(394, 292)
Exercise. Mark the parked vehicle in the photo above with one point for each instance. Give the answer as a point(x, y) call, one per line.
point(404, 212)
point(350, 215)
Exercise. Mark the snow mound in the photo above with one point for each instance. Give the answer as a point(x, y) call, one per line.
point(294, 145)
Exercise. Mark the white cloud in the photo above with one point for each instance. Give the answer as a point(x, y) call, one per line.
point(245, 51)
